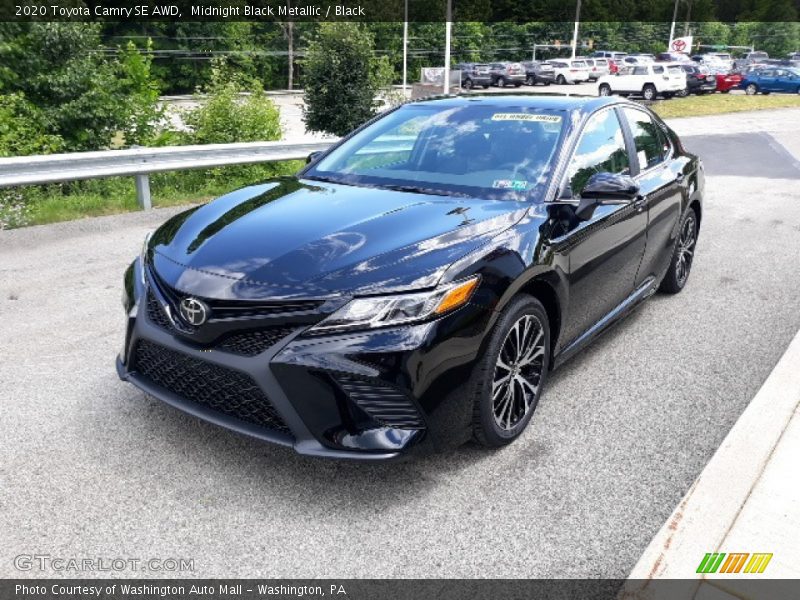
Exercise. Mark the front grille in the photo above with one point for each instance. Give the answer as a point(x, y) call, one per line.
point(251, 343)
point(155, 313)
point(385, 404)
point(247, 343)
point(221, 389)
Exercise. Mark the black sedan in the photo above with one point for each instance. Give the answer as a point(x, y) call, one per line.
point(699, 80)
point(412, 287)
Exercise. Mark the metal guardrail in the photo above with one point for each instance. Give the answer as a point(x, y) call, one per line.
point(140, 162)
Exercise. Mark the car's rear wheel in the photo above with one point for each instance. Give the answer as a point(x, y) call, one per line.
point(682, 93)
point(529, 80)
point(604, 89)
point(501, 81)
point(649, 92)
point(468, 84)
point(512, 373)
point(751, 89)
point(682, 257)
point(561, 80)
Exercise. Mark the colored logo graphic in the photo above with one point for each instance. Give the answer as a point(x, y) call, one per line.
point(716, 562)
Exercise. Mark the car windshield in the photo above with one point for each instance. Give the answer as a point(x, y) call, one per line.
point(497, 152)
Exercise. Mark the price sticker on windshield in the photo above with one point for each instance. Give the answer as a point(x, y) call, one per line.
point(531, 118)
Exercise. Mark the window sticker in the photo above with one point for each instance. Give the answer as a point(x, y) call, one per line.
point(642, 159)
point(526, 117)
point(510, 184)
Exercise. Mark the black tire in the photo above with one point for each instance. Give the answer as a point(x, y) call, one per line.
point(560, 80)
point(530, 80)
point(547, 82)
point(604, 90)
point(649, 92)
point(501, 82)
point(488, 375)
point(683, 93)
point(468, 84)
point(751, 89)
point(680, 266)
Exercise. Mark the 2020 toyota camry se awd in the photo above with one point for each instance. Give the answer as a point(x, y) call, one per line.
point(412, 286)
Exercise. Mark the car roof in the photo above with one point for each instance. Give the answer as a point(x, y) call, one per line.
point(580, 104)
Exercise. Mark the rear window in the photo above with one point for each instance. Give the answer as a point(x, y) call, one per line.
point(601, 61)
point(579, 64)
point(675, 69)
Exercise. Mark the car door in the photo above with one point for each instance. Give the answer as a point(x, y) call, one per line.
point(603, 252)
point(660, 189)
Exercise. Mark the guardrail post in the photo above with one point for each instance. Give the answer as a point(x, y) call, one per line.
point(143, 191)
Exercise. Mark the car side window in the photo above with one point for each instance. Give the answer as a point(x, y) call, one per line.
point(647, 137)
point(658, 69)
point(601, 149)
point(640, 70)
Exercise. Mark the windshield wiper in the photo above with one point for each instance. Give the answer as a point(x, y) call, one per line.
point(414, 189)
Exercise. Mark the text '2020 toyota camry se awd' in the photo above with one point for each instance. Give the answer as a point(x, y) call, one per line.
point(412, 286)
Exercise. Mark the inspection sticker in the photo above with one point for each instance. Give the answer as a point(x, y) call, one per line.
point(510, 184)
point(526, 117)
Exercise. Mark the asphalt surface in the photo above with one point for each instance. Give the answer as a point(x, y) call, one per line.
point(91, 467)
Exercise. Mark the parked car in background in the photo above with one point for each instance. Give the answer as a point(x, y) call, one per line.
point(538, 72)
point(649, 81)
point(728, 81)
point(569, 71)
point(503, 74)
point(672, 57)
point(612, 54)
point(598, 67)
point(770, 79)
point(750, 58)
point(699, 80)
point(474, 74)
point(725, 58)
point(712, 61)
point(637, 60)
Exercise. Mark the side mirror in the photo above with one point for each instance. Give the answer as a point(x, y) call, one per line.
point(605, 188)
point(313, 156)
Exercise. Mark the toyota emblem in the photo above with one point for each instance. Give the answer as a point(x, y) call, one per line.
point(193, 311)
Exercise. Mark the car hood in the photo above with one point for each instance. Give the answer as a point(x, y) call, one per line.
point(301, 238)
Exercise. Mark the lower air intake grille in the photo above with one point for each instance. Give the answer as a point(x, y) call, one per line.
point(251, 343)
point(383, 403)
point(219, 388)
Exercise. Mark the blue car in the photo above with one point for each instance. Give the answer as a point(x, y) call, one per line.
point(772, 79)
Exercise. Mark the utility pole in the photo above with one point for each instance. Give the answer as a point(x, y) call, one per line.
point(672, 29)
point(447, 31)
point(575, 32)
point(405, 50)
point(688, 18)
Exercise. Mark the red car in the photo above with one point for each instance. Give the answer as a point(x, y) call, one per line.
point(726, 82)
point(612, 67)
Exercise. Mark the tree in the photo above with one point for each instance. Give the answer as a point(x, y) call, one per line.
point(342, 78)
point(84, 94)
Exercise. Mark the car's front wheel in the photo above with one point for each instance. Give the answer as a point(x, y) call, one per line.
point(468, 84)
point(509, 381)
point(682, 257)
point(751, 89)
point(501, 82)
point(561, 80)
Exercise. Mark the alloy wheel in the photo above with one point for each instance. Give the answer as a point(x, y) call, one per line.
point(518, 372)
point(686, 243)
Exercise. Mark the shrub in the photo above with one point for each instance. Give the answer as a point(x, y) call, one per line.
point(24, 129)
point(342, 77)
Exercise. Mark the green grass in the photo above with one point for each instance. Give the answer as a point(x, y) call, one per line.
point(39, 205)
point(714, 104)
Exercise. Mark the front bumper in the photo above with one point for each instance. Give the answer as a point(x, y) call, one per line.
point(373, 395)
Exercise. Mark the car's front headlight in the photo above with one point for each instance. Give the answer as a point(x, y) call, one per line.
point(384, 311)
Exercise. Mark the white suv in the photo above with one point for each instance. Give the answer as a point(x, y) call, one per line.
point(569, 71)
point(647, 80)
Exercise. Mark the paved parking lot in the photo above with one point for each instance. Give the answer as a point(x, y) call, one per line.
point(92, 467)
